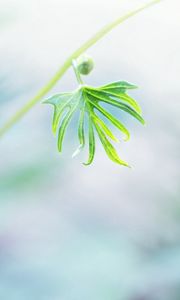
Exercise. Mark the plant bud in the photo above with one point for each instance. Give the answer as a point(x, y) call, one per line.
point(85, 64)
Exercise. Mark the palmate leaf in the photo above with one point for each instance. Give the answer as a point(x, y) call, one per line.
point(87, 101)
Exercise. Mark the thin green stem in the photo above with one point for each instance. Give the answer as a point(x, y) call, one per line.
point(76, 71)
point(19, 114)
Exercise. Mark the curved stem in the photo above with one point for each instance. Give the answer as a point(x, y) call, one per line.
point(19, 114)
point(78, 76)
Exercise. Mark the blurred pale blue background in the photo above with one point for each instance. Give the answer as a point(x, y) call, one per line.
point(68, 232)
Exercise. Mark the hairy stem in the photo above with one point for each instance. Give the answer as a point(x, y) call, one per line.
point(67, 64)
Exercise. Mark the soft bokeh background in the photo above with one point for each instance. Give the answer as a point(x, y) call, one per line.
point(69, 232)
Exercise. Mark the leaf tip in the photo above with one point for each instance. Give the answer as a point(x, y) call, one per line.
point(47, 101)
point(125, 164)
point(86, 164)
point(77, 151)
point(126, 138)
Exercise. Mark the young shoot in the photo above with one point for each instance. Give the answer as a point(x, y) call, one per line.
point(87, 100)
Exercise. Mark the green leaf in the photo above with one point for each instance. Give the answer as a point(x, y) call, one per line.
point(120, 85)
point(64, 125)
point(73, 104)
point(87, 99)
point(91, 143)
point(105, 98)
point(81, 134)
point(58, 99)
point(105, 128)
point(81, 128)
point(108, 147)
point(118, 94)
point(126, 98)
point(60, 103)
point(110, 117)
